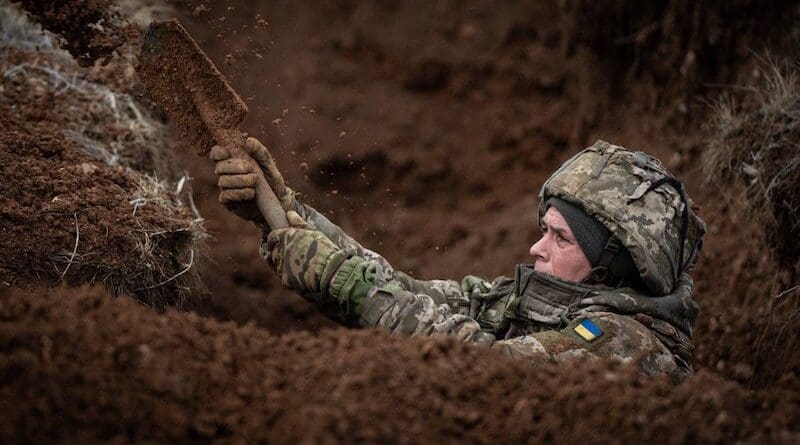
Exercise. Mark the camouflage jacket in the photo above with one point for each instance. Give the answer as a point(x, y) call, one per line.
point(533, 316)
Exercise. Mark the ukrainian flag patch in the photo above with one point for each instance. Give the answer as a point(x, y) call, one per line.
point(588, 330)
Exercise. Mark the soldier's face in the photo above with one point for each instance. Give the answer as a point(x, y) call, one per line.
point(557, 253)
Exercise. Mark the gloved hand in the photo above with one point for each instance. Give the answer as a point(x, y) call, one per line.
point(474, 284)
point(237, 179)
point(304, 259)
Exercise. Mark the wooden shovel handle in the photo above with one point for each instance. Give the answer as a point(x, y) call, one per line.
point(268, 204)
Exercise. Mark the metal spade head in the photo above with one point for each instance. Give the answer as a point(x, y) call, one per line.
point(184, 82)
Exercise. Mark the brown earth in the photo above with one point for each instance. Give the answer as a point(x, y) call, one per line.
point(442, 180)
point(80, 203)
point(97, 369)
point(680, 45)
point(91, 29)
point(425, 130)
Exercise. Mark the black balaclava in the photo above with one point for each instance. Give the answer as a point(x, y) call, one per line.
point(592, 237)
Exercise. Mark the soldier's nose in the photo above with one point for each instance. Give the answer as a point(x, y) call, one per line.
point(537, 250)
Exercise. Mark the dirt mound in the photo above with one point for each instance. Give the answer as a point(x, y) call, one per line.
point(755, 146)
point(78, 366)
point(91, 29)
point(81, 201)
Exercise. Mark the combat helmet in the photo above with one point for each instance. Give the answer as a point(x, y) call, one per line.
point(641, 203)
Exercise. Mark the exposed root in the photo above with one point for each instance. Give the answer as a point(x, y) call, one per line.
point(20, 33)
point(186, 269)
point(74, 249)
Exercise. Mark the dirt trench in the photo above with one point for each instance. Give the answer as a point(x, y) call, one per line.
point(425, 131)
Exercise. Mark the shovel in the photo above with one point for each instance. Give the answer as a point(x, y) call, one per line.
point(195, 96)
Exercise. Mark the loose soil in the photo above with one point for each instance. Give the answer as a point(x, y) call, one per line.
point(203, 104)
point(97, 369)
point(91, 29)
point(66, 216)
point(425, 130)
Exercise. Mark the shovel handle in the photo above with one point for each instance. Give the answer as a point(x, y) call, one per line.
point(266, 200)
point(269, 205)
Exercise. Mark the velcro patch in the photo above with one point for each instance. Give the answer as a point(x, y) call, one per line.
point(588, 330)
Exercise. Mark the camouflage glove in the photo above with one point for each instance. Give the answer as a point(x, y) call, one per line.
point(304, 259)
point(473, 284)
point(286, 196)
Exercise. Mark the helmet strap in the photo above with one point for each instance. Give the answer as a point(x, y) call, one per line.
point(600, 273)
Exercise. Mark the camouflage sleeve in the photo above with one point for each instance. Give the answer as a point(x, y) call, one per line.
point(599, 334)
point(451, 292)
point(358, 277)
point(603, 335)
point(333, 232)
point(402, 312)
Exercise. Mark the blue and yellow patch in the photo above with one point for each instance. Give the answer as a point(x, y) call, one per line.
point(588, 330)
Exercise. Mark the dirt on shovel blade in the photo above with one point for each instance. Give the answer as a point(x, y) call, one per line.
point(183, 81)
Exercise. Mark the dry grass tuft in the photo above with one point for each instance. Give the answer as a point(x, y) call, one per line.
point(110, 126)
point(753, 157)
point(756, 143)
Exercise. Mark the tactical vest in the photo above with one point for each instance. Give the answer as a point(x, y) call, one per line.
point(534, 302)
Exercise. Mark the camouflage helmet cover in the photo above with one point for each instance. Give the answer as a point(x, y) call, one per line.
point(642, 204)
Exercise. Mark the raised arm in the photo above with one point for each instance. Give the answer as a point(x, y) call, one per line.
point(237, 192)
point(311, 264)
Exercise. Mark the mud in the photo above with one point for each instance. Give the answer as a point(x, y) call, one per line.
point(184, 83)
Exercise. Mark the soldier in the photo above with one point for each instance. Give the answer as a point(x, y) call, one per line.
point(608, 279)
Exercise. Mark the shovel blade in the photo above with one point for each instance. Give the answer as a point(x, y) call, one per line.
point(186, 85)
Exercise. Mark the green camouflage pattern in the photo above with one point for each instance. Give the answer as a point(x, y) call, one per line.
point(537, 321)
point(611, 183)
point(624, 338)
point(304, 259)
